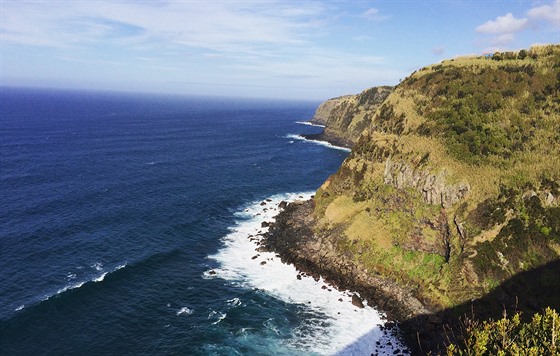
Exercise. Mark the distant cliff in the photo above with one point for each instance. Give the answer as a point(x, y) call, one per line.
point(452, 188)
point(346, 117)
point(324, 110)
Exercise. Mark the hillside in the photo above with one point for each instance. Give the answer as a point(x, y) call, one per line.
point(452, 190)
point(346, 117)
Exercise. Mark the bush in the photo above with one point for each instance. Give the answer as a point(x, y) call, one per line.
point(510, 336)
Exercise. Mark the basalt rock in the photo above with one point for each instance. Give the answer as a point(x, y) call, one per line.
point(357, 301)
point(433, 186)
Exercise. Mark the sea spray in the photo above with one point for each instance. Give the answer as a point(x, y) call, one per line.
point(334, 325)
point(317, 142)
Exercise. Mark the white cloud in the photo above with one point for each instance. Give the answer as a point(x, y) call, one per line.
point(503, 24)
point(501, 31)
point(549, 13)
point(220, 25)
point(251, 43)
point(373, 15)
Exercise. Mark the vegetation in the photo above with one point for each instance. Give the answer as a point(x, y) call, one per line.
point(510, 336)
point(353, 114)
point(482, 133)
point(490, 110)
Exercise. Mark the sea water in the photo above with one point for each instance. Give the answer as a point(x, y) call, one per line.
point(129, 225)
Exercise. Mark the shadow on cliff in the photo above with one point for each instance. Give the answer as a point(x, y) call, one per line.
point(527, 292)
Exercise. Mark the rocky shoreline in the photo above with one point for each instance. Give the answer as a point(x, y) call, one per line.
point(292, 237)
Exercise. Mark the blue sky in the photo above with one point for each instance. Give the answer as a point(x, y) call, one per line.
point(276, 49)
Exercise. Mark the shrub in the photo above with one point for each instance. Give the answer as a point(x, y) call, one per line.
point(510, 336)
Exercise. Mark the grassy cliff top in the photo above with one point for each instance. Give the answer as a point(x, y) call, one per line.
point(453, 184)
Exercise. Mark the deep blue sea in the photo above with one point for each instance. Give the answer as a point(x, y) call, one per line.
point(126, 224)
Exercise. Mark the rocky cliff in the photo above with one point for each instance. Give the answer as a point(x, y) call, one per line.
point(346, 117)
point(324, 110)
point(452, 188)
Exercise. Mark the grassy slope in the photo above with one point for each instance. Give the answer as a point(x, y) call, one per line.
point(492, 126)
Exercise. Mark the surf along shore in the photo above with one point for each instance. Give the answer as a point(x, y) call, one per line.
point(291, 237)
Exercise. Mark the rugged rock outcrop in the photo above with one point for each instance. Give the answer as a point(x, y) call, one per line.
point(324, 110)
point(434, 187)
point(347, 116)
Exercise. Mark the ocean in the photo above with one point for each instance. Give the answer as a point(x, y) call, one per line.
point(128, 226)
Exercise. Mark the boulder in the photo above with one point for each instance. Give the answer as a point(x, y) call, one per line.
point(357, 301)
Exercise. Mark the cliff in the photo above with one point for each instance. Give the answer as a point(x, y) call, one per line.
point(451, 191)
point(346, 117)
point(324, 110)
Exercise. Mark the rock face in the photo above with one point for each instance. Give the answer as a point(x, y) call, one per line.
point(433, 186)
point(357, 301)
point(347, 116)
point(324, 110)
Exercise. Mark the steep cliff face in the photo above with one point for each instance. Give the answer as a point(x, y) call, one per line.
point(453, 185)
point(324, 110)
point(348, 116)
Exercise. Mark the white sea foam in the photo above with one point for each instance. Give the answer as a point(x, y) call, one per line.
point(20, 307)
point(184, 311)
point(235, 302)
point(338, 327)
point(219, 316)
point(317, 142)
point(67, 288)
point(102, 276)
point(309, 123)
point(98, 266)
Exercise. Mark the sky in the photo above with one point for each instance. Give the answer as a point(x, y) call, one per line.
point(286, 49)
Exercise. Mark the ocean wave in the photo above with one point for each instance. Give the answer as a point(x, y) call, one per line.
point(100, 274)
point(102, 277)
point(333, 324)
point(75, 285)
point(308, 123)
point(99, 267)
point(318, 142)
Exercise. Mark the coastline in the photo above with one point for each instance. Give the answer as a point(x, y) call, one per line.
point(291, 237)
point(334, 141)
point(344, 326)
point(323, 137)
